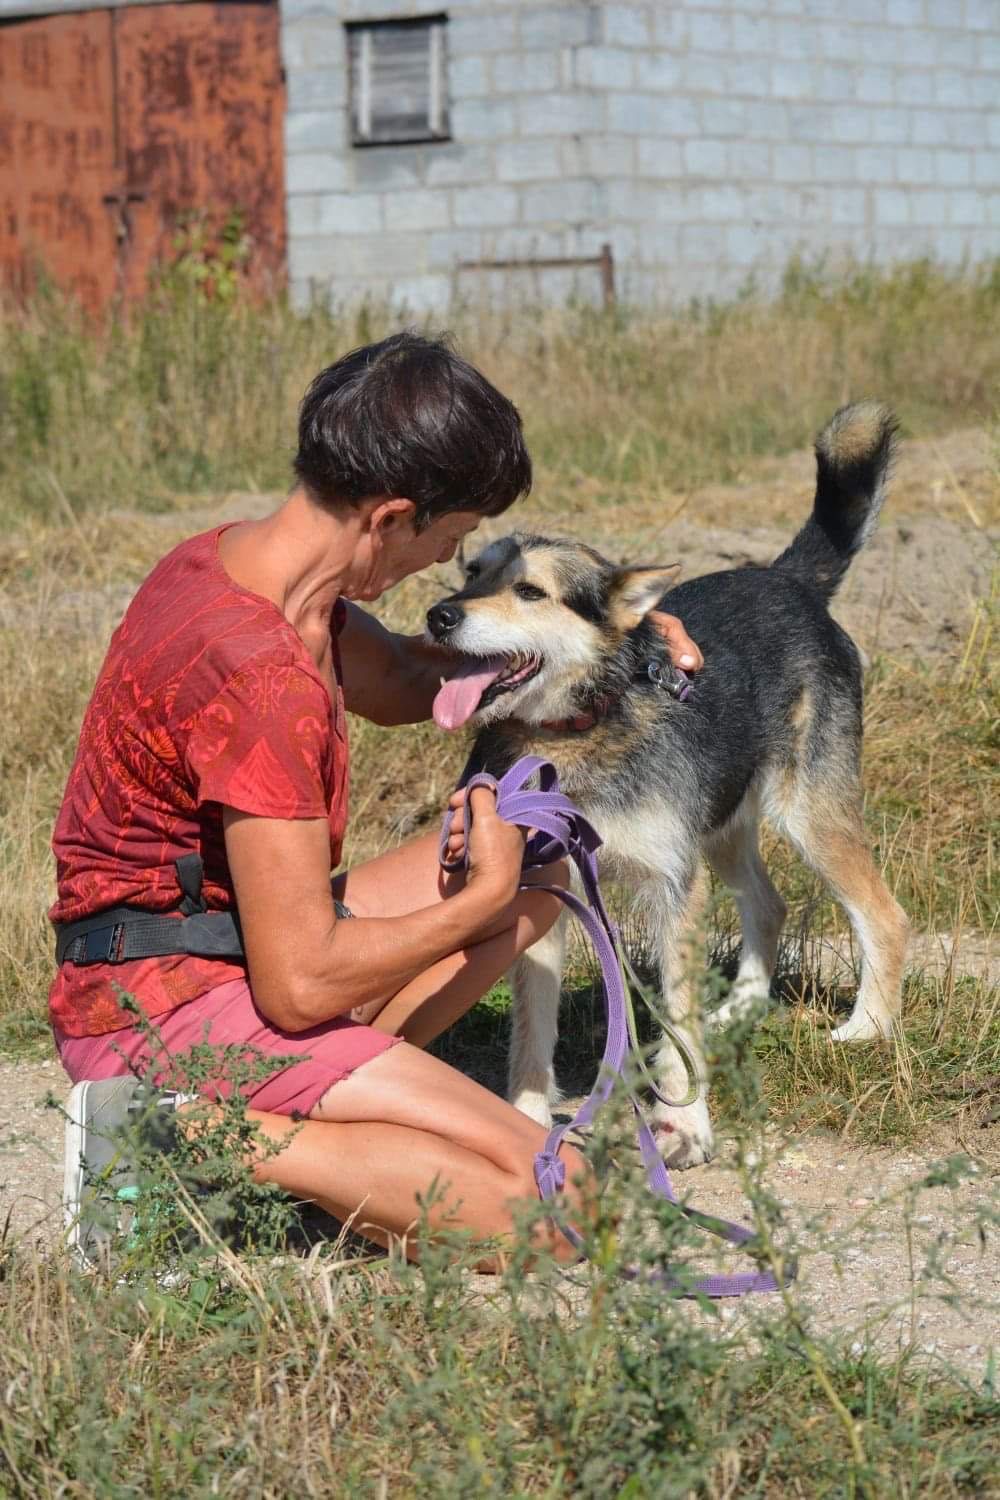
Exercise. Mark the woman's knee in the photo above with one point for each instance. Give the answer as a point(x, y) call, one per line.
point(578, 1195)
point(541, 909)
point(519, 1186)
point(514, 1150)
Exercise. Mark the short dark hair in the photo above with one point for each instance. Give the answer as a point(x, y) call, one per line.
point(408, 417)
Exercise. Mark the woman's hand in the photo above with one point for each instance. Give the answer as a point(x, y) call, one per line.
point(496, 848)
point(456, 828)
point(682, 649)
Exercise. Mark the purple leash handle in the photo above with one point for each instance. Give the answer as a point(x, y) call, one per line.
point(561, 831)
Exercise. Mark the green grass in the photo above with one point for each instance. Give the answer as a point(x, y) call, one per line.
point(250, 1373)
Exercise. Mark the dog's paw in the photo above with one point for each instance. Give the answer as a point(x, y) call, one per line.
point(863, 1026)
point(535, 1105)
point(684, 1136)
point(743, 1004)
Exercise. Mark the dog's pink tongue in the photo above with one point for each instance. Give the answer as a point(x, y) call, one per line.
point(458, 698)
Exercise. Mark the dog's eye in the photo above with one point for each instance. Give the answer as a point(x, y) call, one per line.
point(529, 591)
point(472, 570)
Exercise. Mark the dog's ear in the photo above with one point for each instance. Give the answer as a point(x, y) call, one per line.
point(635, 591)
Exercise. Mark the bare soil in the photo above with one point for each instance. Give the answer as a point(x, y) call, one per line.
point(910, 593)
point(863, 1253)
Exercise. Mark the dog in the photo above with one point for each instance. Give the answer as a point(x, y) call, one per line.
point(560, 661)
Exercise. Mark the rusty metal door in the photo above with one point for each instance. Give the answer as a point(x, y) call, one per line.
point(57, 153)
point(116, 124)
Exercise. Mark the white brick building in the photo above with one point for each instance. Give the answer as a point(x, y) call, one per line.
point(704, 140)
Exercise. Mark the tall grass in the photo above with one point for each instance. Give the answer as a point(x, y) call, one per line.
point(100, 428)
point(190, 395)
point(376, 1381)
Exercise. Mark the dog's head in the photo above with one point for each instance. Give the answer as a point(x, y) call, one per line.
point(542, 624)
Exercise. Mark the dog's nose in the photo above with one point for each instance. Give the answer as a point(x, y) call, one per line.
point(442, 618)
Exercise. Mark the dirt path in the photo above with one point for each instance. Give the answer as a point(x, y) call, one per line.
point(912, 592)
point(864, 1253)
point(30, 1148)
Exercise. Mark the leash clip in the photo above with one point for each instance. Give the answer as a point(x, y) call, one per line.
point(550, 1173)
point(679, 684)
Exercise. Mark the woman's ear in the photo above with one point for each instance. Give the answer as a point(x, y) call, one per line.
point(386, 515)
point(635, 591)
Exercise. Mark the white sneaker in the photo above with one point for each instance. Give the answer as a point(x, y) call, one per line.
point(99, 1178)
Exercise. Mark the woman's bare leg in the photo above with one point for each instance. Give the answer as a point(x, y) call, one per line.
point(401, 880)
point(403, 1124)
point(408, 879)
point(435, 999)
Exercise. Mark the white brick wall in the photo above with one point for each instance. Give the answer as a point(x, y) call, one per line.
point(707, 140)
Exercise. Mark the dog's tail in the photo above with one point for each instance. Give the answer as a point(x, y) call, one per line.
point(854, 453)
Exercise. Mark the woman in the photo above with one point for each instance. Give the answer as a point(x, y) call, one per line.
point(217, 729)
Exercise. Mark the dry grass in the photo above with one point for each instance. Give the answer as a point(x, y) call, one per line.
point(636, 414)
point(194, 396)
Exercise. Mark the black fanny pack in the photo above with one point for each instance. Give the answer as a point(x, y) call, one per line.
point(119, 933)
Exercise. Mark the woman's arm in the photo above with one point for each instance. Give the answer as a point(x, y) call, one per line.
point(388, 678)
point(305, 966)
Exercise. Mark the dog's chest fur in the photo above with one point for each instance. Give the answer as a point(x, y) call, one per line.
point(627, 774)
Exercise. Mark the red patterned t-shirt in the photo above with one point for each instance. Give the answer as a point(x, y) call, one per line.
point(207, 696)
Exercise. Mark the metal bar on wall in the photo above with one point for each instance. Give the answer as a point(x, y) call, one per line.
point(365, 84)
point(604, 262)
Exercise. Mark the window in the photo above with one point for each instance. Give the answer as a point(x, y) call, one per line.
point(397, 81)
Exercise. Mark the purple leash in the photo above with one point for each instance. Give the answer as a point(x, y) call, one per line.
point(561, 831)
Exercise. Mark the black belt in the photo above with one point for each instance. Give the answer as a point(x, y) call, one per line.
point(123, 932)
point(119, 933)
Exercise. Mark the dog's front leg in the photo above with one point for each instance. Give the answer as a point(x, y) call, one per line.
point(535, 982)
point(684, 1131)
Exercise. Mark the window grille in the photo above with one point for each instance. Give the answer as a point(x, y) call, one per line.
point(398, 88)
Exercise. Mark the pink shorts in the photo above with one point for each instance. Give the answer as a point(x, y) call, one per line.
point(226, 1016)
